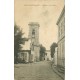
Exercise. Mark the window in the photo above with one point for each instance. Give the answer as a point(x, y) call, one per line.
point(59, 31)
point(33, 32)
point(32, 46)
point(61, 27)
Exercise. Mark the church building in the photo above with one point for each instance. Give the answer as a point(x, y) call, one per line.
point(34, 38)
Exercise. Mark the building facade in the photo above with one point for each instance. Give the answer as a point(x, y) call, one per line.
point(61, 39)
point(48, 55)
point(24, 56)
point(34, 37)
point(55, 56)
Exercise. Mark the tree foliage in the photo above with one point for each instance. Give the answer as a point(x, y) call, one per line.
point(52, 48)
point(18, 40)
point(42, 51)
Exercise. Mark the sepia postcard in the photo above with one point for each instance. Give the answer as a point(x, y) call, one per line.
point(39, 39)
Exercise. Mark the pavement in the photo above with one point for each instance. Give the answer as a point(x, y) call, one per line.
point(35, 71)
point(58, 71)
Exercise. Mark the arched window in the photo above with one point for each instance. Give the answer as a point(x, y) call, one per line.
point(33, 32)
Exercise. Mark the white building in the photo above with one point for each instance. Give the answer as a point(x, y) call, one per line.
point(61, 39)
point(55, 56)
point(48, 55)
point(24, 55)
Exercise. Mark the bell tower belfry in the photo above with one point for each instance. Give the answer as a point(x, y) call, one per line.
point(34, 37)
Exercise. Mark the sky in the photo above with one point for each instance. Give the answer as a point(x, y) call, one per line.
point(26, 11)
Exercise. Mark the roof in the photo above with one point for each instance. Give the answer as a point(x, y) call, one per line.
point(24, 50)
point(61, 15)
point(34, 23)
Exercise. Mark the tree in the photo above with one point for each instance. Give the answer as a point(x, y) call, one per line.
point(52, 48)
point(18, 40)
point(42, 51)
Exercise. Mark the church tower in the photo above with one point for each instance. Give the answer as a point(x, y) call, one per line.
point(34, 37)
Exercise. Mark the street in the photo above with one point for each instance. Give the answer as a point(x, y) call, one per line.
point(35, 71)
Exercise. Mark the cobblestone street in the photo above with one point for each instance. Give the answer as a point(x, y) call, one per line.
point(35, 71)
